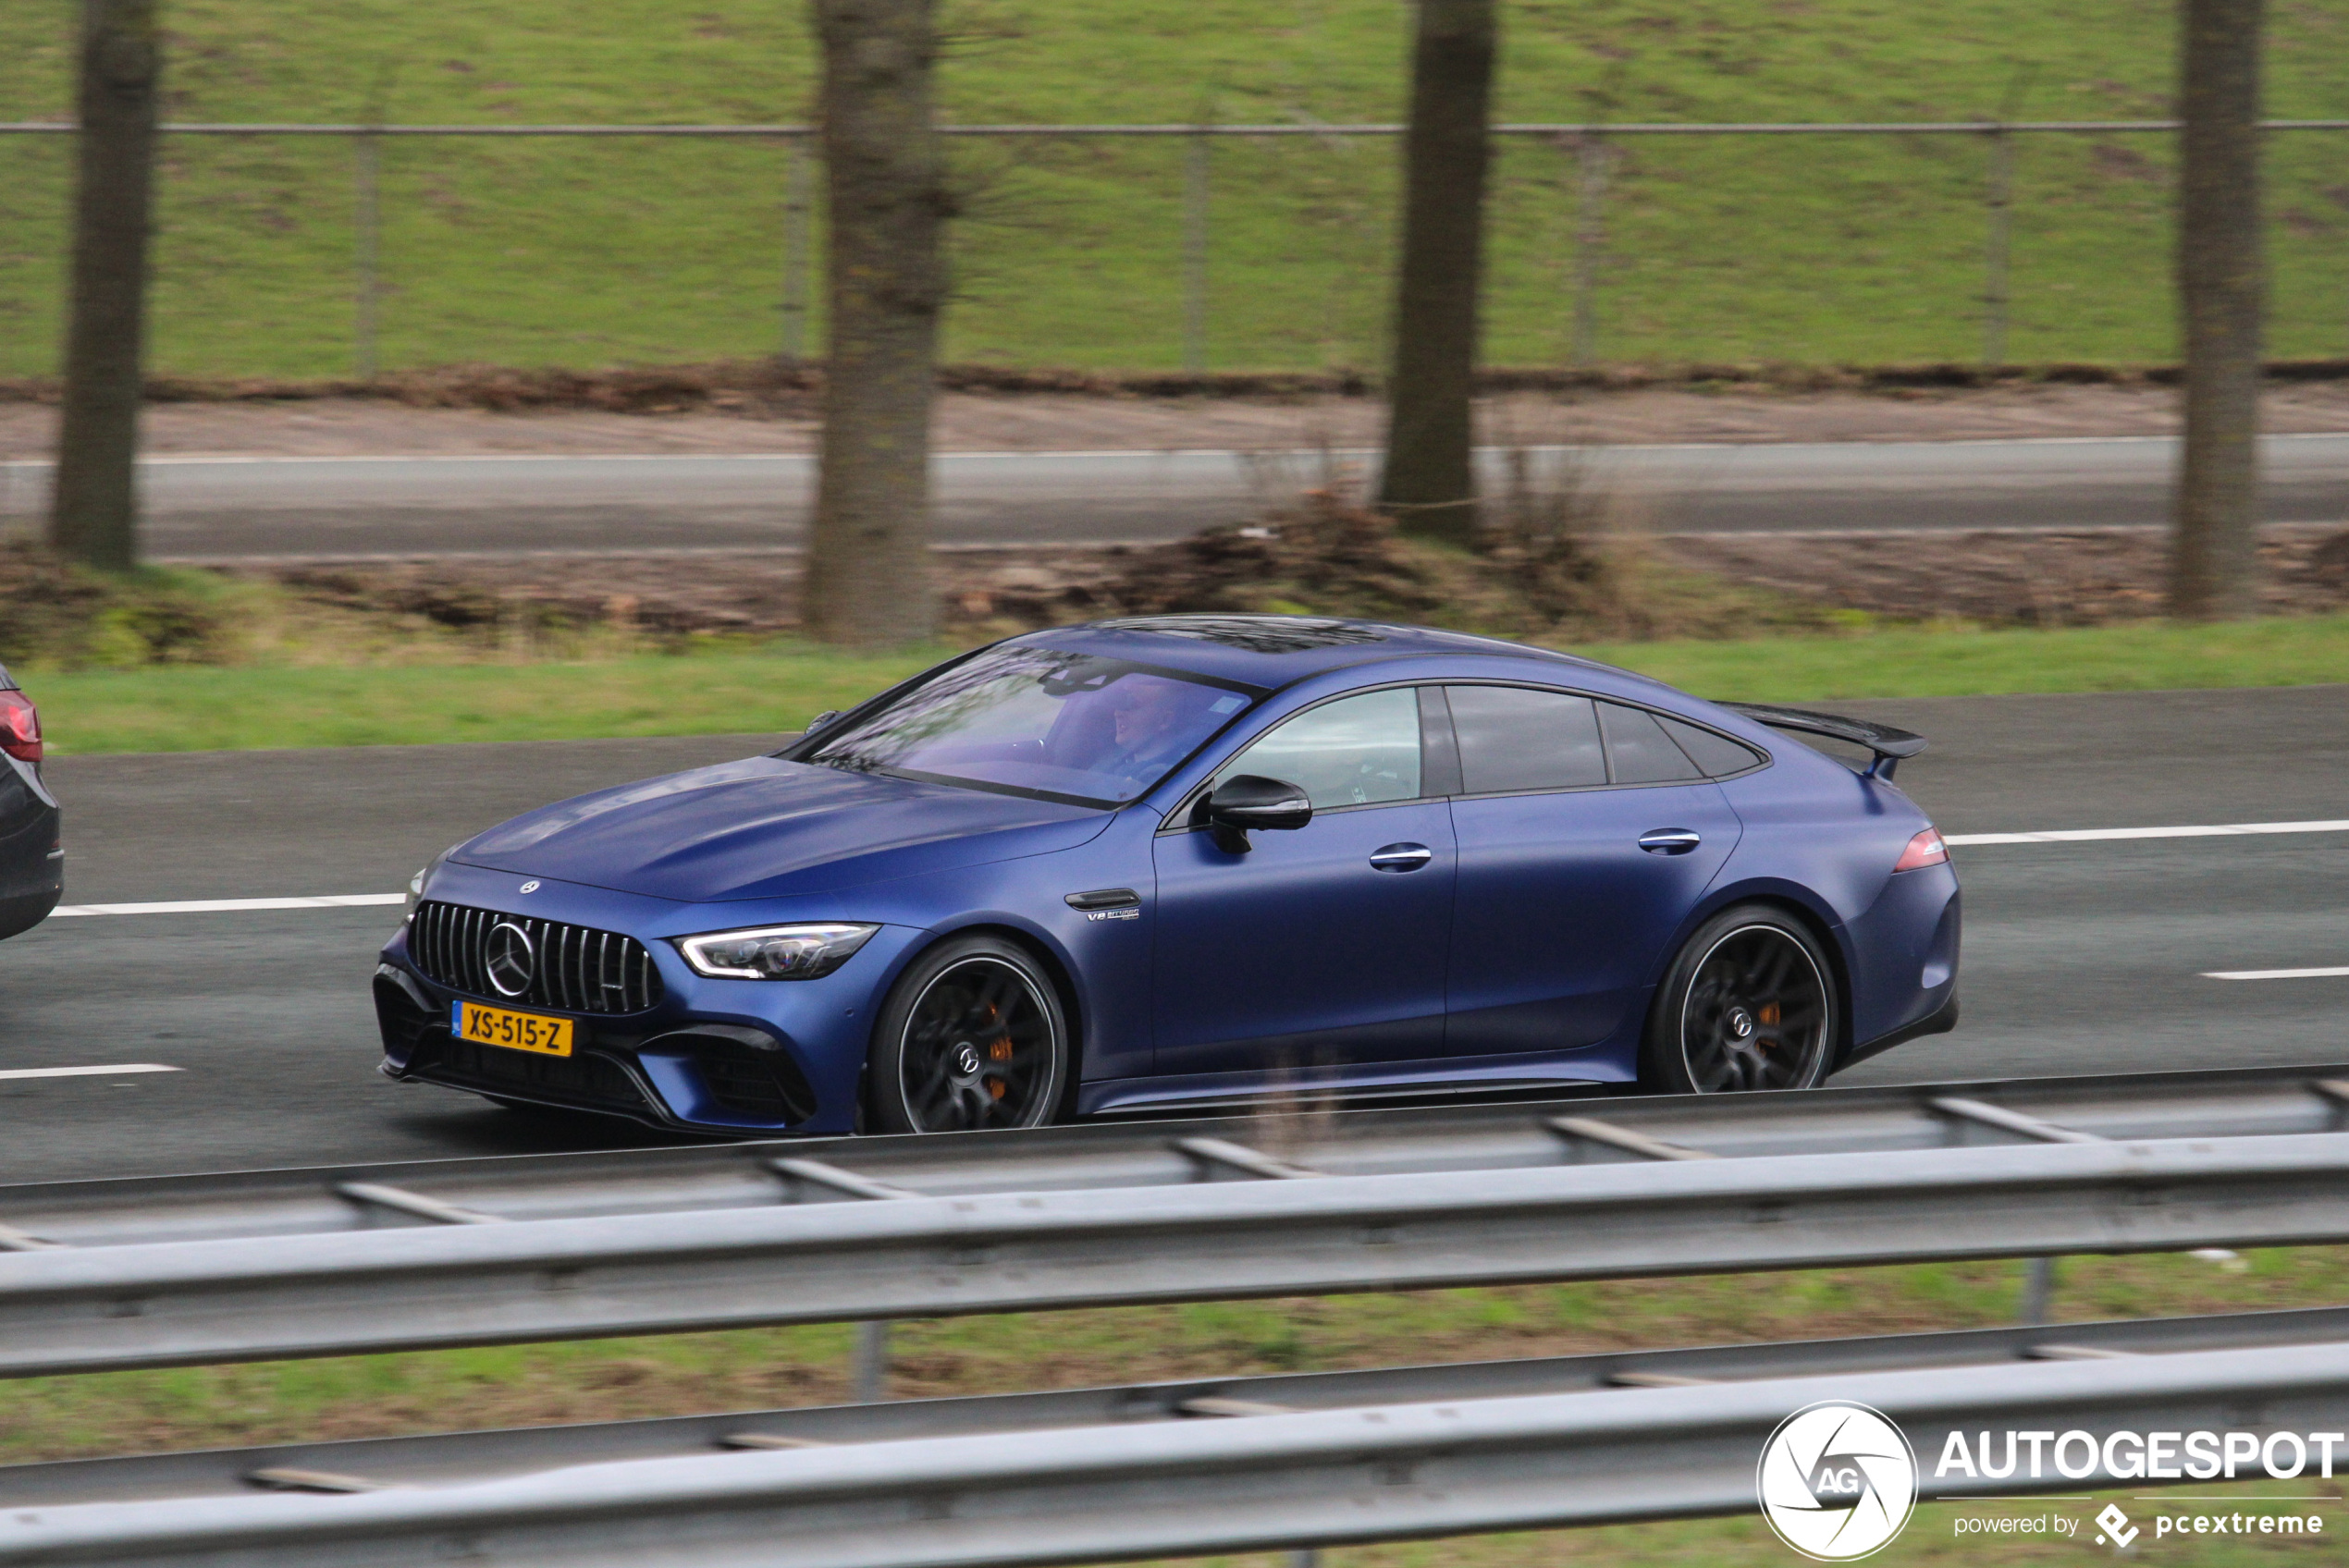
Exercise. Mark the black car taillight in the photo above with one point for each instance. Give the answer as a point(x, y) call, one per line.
point(19, 727)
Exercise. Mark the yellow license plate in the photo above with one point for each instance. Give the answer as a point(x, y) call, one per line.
point(515, 1031)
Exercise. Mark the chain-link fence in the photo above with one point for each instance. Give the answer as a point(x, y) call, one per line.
point(328, 250)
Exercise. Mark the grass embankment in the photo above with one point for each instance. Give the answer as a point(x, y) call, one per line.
point(589, 254)
point(603, 1380)
point(167, 709)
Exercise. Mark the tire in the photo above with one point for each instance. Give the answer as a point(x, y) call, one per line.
point(1749, 1003)
point(972, 1036)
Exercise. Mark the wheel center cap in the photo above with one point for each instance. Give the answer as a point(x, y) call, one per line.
point(1740, 1023)
point(966, 1062)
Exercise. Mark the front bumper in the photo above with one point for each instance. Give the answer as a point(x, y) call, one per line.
point(717, 1056)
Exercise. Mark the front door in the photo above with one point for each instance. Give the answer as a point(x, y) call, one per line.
point(1322, 946)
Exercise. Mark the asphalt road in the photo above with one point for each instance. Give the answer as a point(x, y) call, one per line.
point(2079, 957)
point(227, 507)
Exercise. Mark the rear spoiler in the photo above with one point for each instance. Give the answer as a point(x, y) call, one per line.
point(1889, 744)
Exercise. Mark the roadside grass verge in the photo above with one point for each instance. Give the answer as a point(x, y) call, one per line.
point(347, 1397)
point(1817, 249)
point(778, 685)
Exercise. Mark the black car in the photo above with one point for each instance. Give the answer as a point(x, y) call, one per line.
point(33, 856)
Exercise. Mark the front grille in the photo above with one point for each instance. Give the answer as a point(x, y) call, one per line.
point(580, 969)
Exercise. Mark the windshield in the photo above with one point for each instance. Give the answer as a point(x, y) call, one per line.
point(1071, 727)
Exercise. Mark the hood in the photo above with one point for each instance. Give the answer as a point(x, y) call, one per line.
point(763, 828)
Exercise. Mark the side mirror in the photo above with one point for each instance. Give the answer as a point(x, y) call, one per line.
point(1250, 801)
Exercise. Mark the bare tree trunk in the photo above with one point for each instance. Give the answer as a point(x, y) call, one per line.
point(1430, 482)
point(94, 516)
point(2221, 288)
point(869, 557)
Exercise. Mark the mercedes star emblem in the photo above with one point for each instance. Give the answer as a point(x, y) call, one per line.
point(513, 960)
point(531, 885)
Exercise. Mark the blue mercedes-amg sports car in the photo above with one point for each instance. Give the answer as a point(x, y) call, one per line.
point(1189, 862)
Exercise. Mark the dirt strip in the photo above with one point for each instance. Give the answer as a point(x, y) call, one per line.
point(2034, 578)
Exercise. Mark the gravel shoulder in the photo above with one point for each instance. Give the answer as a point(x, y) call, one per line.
point(1059, 421)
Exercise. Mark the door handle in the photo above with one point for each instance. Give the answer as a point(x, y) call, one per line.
point(1670, 841)
point(1401, 857)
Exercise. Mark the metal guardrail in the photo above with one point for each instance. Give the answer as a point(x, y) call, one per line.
point(1164, 1489)
point(1588, 143)
point(457, 1458)
point(1101, 1155)
point(2203, 1159)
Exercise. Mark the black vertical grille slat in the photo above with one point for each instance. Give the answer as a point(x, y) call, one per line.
point(553, 988)
point(477, 949)
point(581, 969)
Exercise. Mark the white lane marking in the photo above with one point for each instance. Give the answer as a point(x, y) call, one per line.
point(2089, 835)
point(2273, 973)
point(85, 1071)
point(228, 906)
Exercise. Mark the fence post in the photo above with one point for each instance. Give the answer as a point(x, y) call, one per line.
point(795, 174)
point(1590, 234)
point(1195, 252)
point(366, 242)
point(1993, 286)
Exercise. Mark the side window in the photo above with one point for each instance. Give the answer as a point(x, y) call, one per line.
point(1357, 751)
point(1639, 750)
point(1717, 754)
point(1514, 738)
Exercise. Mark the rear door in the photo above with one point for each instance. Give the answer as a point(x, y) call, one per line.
point(1323, 947)
point(1586, 836)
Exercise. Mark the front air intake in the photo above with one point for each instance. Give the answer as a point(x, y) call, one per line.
point(573, 968)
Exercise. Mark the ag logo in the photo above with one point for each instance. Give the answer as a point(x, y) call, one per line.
point(1837, 1481)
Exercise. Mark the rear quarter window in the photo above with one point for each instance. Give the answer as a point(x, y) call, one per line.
point(1716, 756)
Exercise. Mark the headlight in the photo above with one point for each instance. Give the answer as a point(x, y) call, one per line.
point(423, 875)
point(774, 952)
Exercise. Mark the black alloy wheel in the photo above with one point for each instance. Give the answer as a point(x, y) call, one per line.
point(1747, 1005)
point(972, 1036)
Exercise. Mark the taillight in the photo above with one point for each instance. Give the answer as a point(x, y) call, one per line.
point(19, 727)
point(1926, 849)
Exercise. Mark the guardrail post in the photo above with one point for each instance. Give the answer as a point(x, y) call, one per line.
point(1195, 252)
point(795, 179)
point(1994, 283)
point(1591, 159)
point(366, 246)
point(2038, 1292)
point(871, 1375)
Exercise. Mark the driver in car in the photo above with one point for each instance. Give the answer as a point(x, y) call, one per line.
point(1149, 718)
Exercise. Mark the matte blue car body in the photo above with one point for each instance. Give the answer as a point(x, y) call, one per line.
point(1445, 978)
